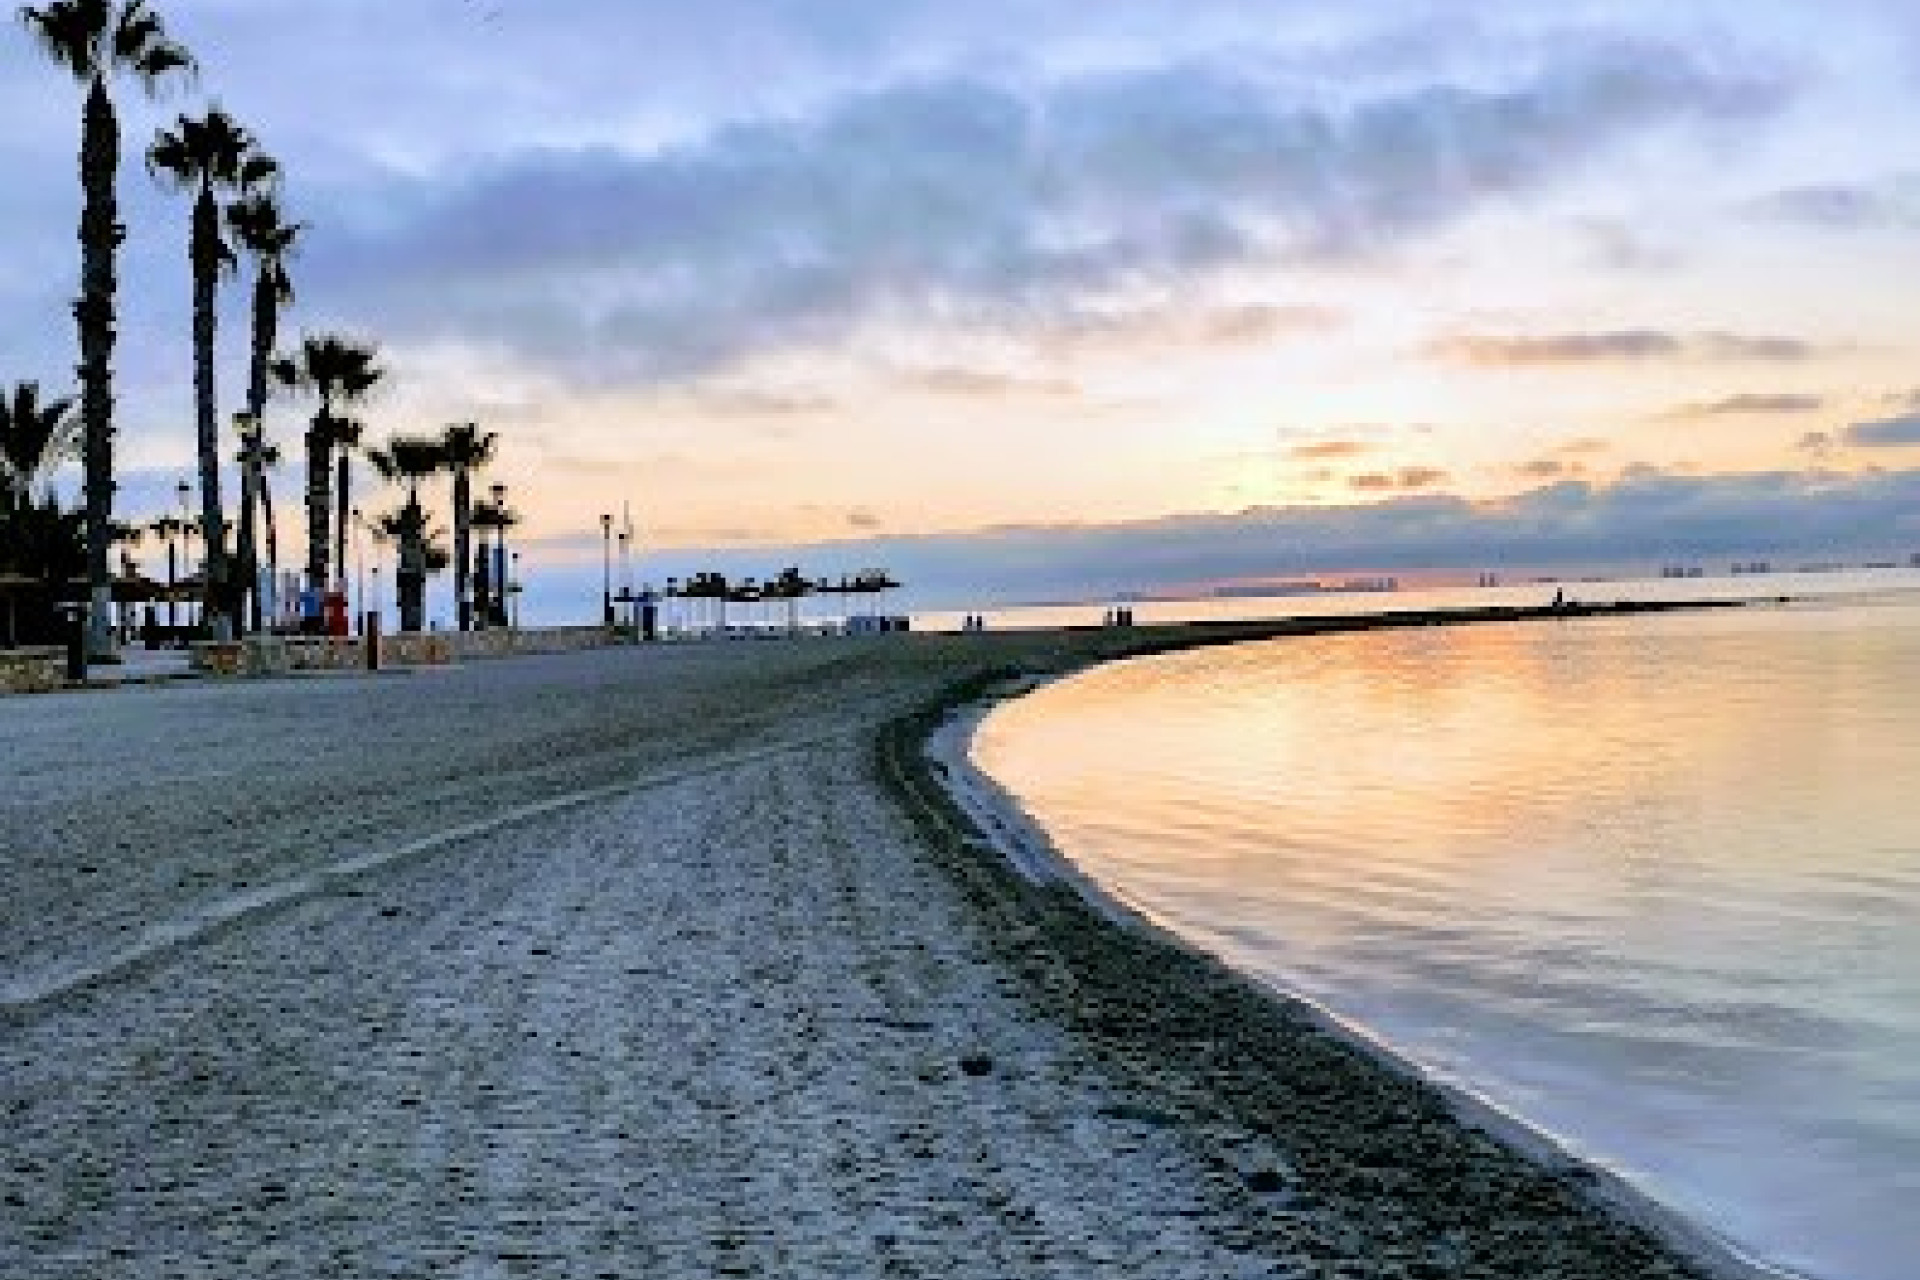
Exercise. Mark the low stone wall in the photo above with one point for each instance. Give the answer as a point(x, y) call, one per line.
point(278, 655)
point(36, 670)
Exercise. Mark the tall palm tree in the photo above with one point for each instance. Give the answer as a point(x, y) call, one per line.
point(408, 460)
point(95, 41)
point(261, 229)
point(466, 449)
point(341, 371)
point(35, 437)
point(209, 156)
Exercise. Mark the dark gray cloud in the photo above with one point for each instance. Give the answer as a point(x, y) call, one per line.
point(1644, 519)
point(1617, 346)
point(1885, 433)
point(957, 197)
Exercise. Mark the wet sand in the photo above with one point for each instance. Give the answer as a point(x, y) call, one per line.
point(665, 961)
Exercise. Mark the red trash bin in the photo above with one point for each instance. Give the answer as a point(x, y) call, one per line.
point(333, 613)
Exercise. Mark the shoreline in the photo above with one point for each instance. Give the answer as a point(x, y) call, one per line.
point(967, 807)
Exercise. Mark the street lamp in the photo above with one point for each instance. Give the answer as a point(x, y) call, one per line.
point(184, 491)
point(359, 572)
point(498, 611)
point(606, 570)
point(626, 579)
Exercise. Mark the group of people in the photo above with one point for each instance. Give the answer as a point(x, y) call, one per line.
point(974, 622)
point(1120, 617)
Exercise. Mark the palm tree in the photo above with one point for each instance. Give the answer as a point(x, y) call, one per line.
point(466, 449)
point(34, 438)
point(256, 458)
point(260, 227)
point(209, 156)
point(95, 40)
point(409, 460)
point(340, 371)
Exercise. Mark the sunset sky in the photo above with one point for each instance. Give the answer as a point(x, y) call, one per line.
point(1040, 299)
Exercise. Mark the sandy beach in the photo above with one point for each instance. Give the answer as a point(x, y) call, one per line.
point(659, 962)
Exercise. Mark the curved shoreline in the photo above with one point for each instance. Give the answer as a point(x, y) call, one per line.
point(964, 805)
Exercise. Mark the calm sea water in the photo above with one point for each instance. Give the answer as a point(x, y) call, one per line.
point(1653, 883)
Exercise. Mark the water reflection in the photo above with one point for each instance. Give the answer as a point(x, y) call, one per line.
point(1652, 880)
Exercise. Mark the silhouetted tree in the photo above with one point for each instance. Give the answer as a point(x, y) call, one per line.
point(209, 156)
point(35, 437)
point(340, 371)
point(260, 227)
point(408, 460)
point(466, 449)
point(95, 41)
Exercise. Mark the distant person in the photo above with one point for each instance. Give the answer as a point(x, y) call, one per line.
point(1560, 598)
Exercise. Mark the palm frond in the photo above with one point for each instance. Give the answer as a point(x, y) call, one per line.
point(69, 33)
point(465, 445)
point(142, 46)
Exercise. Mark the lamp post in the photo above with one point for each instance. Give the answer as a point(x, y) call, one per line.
point(499, 574)
point(513, 590)
point(184, 492)
point(606, 569)
point(359, 572)
point(173, 575)
point(626, 578)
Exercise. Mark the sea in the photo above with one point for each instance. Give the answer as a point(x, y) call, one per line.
point(1650, 884)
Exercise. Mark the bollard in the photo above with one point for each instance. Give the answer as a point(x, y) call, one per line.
point(75, 616)
point(370, 637)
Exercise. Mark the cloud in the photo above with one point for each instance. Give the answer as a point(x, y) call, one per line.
point(956, 197)
point(1885, 433)
point(1734, 346)
point(1570, 348)
point(1232, 325)
point(1890, 205)
point(1549, 469)
point(758, 402)
point(1406, 478)
point(1646, 518)
point(861, 518)
point(1747, 405)
point(980, 382)
point(1819, 445)
point(1618, 346)
point(1330, 449)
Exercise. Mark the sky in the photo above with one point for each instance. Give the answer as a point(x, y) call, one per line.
point(1032, 299)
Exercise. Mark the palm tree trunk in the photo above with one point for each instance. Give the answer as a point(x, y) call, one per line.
point(343, 509)
point(245, 560)
point(205, 254)
point(319, 498)
point(253, 477)
point(273, 540)
point(100, 234)
point(461, 534)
